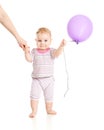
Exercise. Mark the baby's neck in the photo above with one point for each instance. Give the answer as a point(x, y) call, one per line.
point(42, 50)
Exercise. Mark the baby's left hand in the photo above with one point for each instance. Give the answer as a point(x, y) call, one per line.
point(63, 43)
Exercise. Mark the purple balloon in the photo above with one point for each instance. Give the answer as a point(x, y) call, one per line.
point(79, 28)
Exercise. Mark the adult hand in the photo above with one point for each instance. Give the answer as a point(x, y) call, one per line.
point(22, 43)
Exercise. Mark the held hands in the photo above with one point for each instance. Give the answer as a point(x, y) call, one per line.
point(22, 43)
point(27, 53)
point(26, 49)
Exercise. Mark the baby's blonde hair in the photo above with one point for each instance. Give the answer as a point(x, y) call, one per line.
point(43, 30)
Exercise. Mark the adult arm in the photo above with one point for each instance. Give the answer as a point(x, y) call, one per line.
point(8, 24)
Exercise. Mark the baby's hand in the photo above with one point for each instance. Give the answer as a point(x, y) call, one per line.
point(63, 43)
point(27, 49)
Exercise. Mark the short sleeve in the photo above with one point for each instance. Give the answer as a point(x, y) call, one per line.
point(32, 53)
point(52, 52)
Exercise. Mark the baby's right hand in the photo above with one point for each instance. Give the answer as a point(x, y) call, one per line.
point(27, 49)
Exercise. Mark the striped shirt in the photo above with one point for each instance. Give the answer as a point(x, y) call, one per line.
point(43, 63)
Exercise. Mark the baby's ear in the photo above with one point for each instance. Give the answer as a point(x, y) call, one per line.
point(36, 40)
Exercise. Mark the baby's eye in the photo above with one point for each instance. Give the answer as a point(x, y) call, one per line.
point(46, 40)
point(39, 40)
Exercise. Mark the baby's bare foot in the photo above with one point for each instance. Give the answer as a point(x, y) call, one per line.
point(52, 112)
point(32, 115)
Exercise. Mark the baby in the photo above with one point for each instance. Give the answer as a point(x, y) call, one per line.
point(42, 58)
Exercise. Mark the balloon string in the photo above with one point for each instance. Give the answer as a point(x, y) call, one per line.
point(67, 74)
point(76, 41)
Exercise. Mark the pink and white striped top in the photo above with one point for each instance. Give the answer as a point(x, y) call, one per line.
point(43, 63)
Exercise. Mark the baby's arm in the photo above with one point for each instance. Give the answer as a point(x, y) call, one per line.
point(27, 54)
point(59, 50)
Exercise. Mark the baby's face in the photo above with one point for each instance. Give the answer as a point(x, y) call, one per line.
point(43, 41)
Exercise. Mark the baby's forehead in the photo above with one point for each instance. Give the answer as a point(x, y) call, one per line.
point(43, 35)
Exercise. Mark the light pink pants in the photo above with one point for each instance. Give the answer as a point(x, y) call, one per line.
point(45, 84)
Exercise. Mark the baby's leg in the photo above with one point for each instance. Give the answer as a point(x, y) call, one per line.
point(34, 106)
point(48, 94)
point(49, 108)
point(34, 95)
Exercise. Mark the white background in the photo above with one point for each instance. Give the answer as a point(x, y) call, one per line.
point(83, 106)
